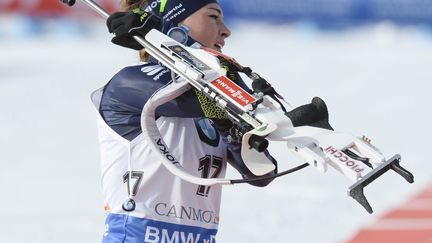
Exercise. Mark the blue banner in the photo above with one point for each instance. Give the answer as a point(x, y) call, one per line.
point(330, 11)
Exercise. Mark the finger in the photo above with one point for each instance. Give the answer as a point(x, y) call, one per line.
point(114, 18)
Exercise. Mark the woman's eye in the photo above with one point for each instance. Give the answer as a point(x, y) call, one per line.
point(213, 16)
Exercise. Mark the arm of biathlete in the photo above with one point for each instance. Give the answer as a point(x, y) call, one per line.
point(127, 92)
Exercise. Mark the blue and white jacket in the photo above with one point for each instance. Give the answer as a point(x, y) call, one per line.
point(167, 208)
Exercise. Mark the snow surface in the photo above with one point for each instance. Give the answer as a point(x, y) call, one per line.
point(374, 79)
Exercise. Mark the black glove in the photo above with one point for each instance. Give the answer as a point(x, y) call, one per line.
point(125, 25)
point(232, 70)
point(222, 125)
point(227, 130)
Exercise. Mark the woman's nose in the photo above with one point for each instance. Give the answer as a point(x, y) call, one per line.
point(225, 32)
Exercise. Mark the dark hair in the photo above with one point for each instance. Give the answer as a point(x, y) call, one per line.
point(128, 5)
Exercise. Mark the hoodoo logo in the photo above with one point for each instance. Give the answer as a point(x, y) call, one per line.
point(233, 91)
point(344, 159)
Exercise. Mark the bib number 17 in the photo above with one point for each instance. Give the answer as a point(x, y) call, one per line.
point(210, 167)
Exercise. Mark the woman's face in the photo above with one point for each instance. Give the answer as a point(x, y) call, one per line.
point(207, 26)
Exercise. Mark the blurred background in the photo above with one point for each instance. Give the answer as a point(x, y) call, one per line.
point(370, 60)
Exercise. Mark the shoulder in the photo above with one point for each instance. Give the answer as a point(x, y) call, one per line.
point(133, 85)
point(142, 72)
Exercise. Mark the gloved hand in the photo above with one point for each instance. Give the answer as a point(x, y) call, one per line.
point(230, 133)
point(232, 70)
point(222, 125)
point(125, 25)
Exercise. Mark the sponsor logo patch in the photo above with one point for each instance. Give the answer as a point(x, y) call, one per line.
point(189, 213)
point(232, 90)
point(344, 159)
